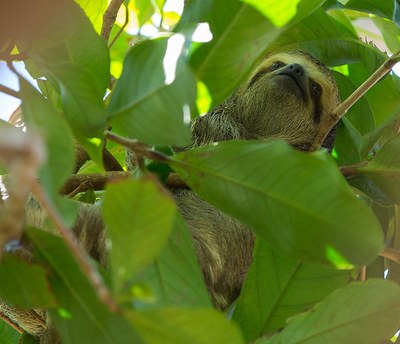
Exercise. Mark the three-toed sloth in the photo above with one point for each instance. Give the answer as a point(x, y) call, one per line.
point(287, 96)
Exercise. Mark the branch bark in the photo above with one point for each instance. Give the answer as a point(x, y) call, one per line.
point(352, 99)
point(109, 17)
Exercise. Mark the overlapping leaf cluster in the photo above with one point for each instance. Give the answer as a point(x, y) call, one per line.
point(313, 233)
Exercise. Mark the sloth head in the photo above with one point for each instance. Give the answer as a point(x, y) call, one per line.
point(287, 96)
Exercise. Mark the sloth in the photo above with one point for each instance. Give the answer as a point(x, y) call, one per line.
point(287, 96)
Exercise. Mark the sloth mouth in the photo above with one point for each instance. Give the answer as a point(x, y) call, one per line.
point(294, 84)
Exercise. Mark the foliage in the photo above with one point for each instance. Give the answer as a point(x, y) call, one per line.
point(314, 229)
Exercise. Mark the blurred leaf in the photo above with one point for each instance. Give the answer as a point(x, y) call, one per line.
point(347, 143)
point(40, 116)
point(139, 216)
point(88, 197)
point(7, 334)
point(154, 105)
point(293, 287)
point(379, 8)
point(80, 317)
point(94, 10)
point(75, 59)
point(365, 312)
point(240, 36)
point(390, 32)
point(27, 339)
point(175, 276)
point(271, 188)
point(26, 285)
point(143, 9)
point(384, 168)
point(182, 326)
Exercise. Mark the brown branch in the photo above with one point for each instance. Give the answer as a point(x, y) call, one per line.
point(352, 99)
point(121, 29)
point(352, 170)
point(97, 181)
point(13, 57)
point(109, 17)
point(391, 254)
point(83, 261)
point(11, 323)
point(9, 91)
point(137, 147)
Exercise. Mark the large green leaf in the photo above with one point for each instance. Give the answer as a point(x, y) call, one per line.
point(175, 277)
point(299, 202)
point(40, 116)
point(67, 51)
point(365, 313)
point(384, 168)
point(139, 216)
point(276, 288)
point(240, 36)
point(152, 99)
point(379, 8)
point(80, 316)
point(26, 284)
point(7, 334)
point(94, 10)
point(182, 326)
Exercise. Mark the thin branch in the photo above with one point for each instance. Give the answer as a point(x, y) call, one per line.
point(122, 28)
point(11, 323)
point(352, 170)
point(352, 99)
point(391, 254)
point(9, 91)
point(109, 17)
point(96, 181)
point(91, 273)
point(13, 57)
point(137, 147)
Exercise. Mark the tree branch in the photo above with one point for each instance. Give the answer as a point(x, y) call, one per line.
point(98, 181)
point(137, 147)
point(109, 17)
point(9, 91)
point(391, 254)
point(352, 99)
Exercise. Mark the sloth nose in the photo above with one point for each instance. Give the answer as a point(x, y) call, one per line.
point(295, 69)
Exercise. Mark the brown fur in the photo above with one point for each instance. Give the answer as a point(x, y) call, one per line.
point(267, 105)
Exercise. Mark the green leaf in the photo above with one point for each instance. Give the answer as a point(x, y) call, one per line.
point(384, 168)
point(42, 117)
point(367, 312)
point(240, 36)
point(7, 334)
point(80, 316)
point(175, 277)
point(27, 339)
point(272, 188)
point(154, 105)
point(26, 286)
point(293, 287)
point(95, 11)
point(139, 216)
point(67, 51)
point(347, 143)
point(379, 8)
point(182, 326)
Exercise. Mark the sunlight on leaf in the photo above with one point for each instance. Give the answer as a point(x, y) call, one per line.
point(337, 259)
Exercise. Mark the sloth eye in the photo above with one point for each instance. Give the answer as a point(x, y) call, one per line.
point(277, 65)
point(316, 89)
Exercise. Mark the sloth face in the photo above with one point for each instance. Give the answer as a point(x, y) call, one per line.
point(287, 96)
